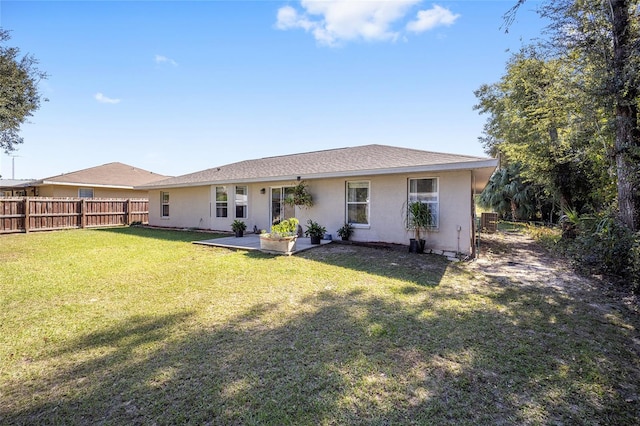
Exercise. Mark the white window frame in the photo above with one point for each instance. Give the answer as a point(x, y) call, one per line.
point(367, 203)
point(164, 203)
point(222, 204)
point(242, 200)
point(85, 190)
point(432, 199)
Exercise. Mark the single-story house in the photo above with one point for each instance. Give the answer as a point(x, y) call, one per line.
point(112, 180)
point(15, 188)
point(368, 186)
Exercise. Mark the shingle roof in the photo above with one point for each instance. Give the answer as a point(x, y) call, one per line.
point(351, 161)
point(111, 174)
point(14, 183)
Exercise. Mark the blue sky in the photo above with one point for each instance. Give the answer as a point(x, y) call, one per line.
point(177, 87)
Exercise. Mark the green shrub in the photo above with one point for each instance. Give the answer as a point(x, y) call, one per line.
point(548, 237)
point(604, 245)
point(286, 228)
point(633, 269)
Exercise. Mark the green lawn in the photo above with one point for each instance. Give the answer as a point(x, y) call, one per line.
point(139, 326)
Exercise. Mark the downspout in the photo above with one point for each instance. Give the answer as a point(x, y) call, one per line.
point(473, 216)
point(211, 198)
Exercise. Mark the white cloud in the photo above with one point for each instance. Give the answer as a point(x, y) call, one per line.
point(161, 59)
point(288, 18)
point(105, 100)
point(334, 21)
point(429, 19)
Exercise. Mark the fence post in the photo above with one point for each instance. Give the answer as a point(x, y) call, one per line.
point(128, 212)
point(83, 213)
point(27, 207)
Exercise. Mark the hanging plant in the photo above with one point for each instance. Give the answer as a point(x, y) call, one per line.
point(300, 196)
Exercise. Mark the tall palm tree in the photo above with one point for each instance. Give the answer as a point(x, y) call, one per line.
point(507, 194)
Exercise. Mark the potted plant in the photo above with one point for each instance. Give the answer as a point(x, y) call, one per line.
point(300, 196)
point(420, 219)
point(238, 227)
point(345, 231)
point(282, 238)
point(314, 231)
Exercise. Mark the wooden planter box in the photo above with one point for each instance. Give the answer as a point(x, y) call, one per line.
point(281, 245)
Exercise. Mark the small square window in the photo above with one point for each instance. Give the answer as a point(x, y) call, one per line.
point(85, 192)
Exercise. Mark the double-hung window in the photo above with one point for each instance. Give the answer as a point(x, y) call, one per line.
point(241, 202)
point(85, 192)
point(164, 204)
point(426, 191)
point(358, 202)
point(221, 201)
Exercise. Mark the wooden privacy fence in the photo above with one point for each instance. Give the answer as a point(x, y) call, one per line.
point(489, 222)
point(47, 214)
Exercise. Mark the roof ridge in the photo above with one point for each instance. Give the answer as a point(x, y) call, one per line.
point(432, 152)
point(116, 163)
point(303, 153)
point(82, 170)
point(352, 147)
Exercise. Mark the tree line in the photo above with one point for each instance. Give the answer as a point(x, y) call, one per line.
point(563, 120)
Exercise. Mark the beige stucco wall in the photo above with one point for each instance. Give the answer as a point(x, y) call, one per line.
point(388, 197)
point(72, 192)
point(195, 207)
point(188, 208)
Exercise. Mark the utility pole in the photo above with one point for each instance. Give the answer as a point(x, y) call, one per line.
point(13, 166)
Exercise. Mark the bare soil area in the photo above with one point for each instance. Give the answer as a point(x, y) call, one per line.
point(515, 256)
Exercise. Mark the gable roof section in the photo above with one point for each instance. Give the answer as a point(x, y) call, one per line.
point(341, 162)
point(110, 175)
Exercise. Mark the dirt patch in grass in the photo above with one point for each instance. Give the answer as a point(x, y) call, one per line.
point(516, 256)
point(381, 257)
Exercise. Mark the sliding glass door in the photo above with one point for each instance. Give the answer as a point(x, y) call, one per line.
point(279, 210)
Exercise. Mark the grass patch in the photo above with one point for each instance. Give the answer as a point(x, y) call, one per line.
point(546, 236)
point(134, 325)
point(508, 226)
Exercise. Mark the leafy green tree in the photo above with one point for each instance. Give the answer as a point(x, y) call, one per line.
point(19, 95)
point(540, 120)
point(601, 37)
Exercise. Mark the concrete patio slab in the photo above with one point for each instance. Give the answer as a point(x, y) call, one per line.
point(252, 242)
